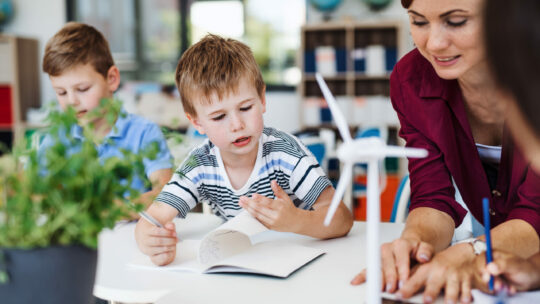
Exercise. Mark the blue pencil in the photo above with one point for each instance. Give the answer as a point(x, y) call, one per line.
point(487, 229)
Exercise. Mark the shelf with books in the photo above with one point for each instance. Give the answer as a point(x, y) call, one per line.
point(356, 59)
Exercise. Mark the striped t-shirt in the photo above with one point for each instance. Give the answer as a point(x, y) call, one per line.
point(281, 157)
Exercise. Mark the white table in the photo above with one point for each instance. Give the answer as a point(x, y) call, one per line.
point(325, 280)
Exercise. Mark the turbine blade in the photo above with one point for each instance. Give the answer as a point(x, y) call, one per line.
point(341, 123)
point(344, 180)
point(395, 151)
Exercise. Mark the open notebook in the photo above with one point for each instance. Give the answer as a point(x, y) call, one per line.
point(228, 248)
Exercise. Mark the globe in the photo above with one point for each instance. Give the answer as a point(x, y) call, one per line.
point(6, 11)
point(325, 5)
point(377, 4)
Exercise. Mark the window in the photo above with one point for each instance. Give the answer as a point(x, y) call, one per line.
point(273, 33)
point(143, 34)
point(146, 35)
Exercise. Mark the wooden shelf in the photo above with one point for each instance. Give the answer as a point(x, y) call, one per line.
point(19, 83)
point(355, 59)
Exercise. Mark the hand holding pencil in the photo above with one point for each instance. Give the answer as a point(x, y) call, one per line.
point(154, 239)
point(518, 273)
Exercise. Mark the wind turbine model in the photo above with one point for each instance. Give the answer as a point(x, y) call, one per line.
point(368, 150)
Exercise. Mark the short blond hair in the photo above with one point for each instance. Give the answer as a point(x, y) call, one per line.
point(215, 65)
point(75, 44)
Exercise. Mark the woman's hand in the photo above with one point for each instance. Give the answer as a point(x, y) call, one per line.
point(455, 269)
point(508, 269)
point(396, 262)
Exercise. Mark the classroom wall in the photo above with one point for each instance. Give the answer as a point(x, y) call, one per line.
point(40, 20)
point(283, 111)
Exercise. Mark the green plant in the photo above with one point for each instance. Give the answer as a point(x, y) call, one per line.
point(66, 195)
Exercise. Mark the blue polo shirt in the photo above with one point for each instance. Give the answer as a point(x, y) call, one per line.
point(132, 133)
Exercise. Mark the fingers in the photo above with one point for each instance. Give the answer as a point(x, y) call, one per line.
point(359, 278)
point(415, 282)
point(259, 209)
point(451, 288)
point(278, 191)
point(424, 252)
point(163, 258)
point(155, 241)
point(497, 267)
point(389, 274)
point(466, 291)
point(402, 251)
point(435, 282)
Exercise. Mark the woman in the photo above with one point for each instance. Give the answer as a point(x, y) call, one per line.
point(448, 103)
point(512, 30)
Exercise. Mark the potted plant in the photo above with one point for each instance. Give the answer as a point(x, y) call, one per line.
point(52, 208)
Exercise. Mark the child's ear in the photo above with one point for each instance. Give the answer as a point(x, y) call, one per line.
point(195, 122)
point(113, 78)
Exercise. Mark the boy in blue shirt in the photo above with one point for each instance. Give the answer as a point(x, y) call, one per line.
point(82, 72)
point(242, 165)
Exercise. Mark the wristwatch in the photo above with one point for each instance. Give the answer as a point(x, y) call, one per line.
point(478, 246)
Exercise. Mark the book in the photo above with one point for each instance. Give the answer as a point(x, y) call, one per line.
point(229, 249)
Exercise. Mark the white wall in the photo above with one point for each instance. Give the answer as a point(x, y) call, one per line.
point(283, 111)
point(39, 19)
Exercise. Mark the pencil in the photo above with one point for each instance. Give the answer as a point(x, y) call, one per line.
point(489, 254)
point(149, 218)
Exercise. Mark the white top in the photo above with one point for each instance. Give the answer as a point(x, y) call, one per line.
point(490, 154)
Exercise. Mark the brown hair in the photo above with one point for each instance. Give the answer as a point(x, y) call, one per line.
point(406, 3)
point(512, 36)
point(77, 43)
point(215, 65)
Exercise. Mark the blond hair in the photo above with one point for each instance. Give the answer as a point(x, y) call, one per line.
point(77, 43)
point(215, 65)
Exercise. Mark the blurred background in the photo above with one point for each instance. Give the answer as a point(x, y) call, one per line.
point(353, 43)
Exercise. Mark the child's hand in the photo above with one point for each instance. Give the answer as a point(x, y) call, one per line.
point(521, 274)
point(157, 243)
point(278, 214)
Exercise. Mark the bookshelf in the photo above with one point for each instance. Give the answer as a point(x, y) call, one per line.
point(19, 85)
point(356, 59)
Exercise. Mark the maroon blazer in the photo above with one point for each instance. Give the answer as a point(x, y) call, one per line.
point(433, 117)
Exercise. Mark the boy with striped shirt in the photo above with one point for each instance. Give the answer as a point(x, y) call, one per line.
point(242, 165)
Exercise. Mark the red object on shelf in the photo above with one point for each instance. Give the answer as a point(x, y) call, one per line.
point(387, 199)
point(6, 111)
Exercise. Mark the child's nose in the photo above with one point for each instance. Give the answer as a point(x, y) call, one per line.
point(236, 123)
point(72, 99)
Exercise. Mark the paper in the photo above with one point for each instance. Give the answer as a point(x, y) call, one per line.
point(228, 248)
point(518, 298)
point(416, 299)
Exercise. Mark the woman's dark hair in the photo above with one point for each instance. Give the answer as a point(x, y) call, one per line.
point(512, 34)
point(406, 3)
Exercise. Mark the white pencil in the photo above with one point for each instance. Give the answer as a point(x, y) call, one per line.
point(150, 219)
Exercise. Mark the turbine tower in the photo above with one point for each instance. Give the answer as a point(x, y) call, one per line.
point(368, 150)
